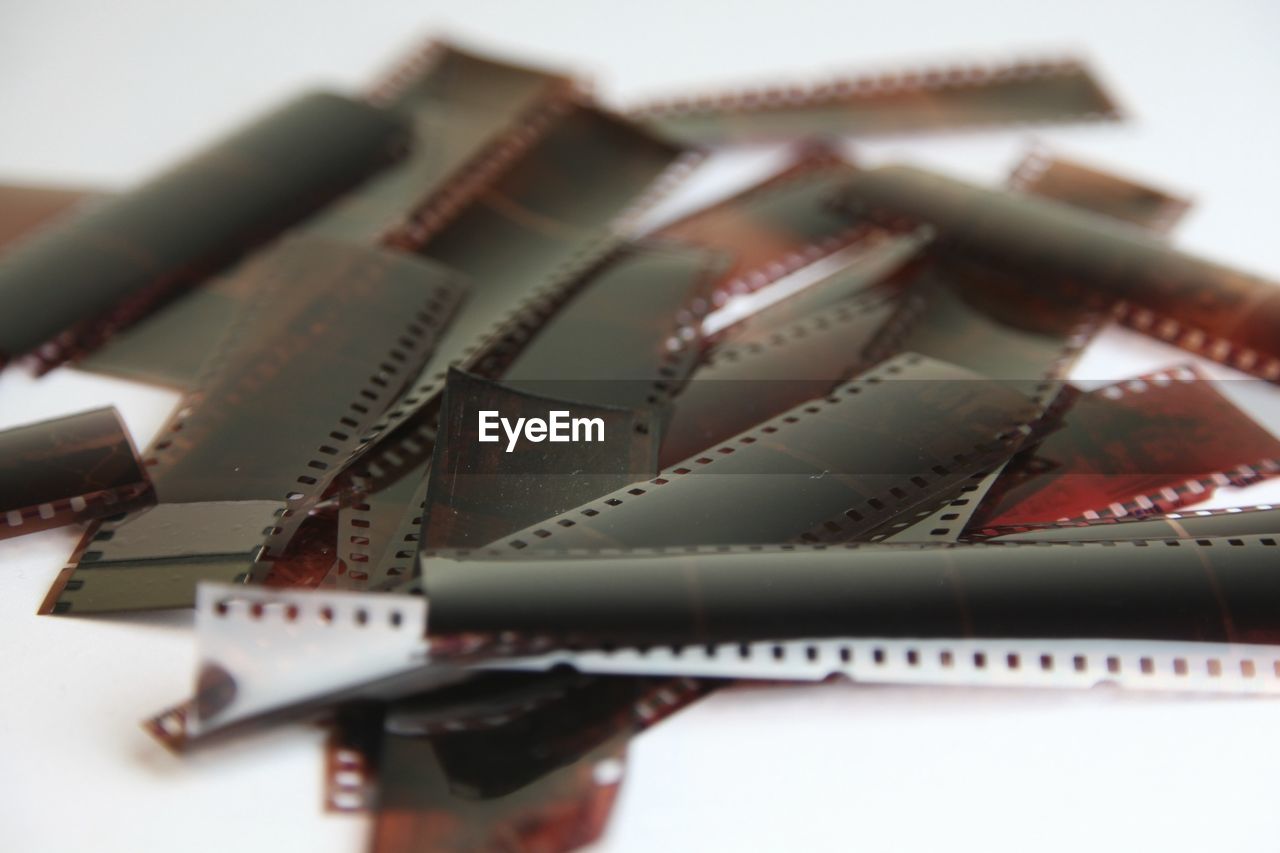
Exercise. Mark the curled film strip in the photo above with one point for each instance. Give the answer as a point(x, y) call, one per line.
point(1203, 307)
point(115, 261)
point(1215, 590)
point(265, 653)
point(464, 112)
point(68, 469)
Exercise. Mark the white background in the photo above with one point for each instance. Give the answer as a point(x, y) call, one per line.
point(104, 93)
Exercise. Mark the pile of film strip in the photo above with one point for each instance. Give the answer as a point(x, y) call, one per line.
point(876, 471)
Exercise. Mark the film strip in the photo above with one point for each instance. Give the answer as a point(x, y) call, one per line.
point(1087, 188)
point(68, 469)
point(323, 356)
point(833, 469)
point(546, 779)
point(744, 384)
point(350, 759)
point(950, 313)
point(422, 800)
point(115, 261)
point(475, 113)
point(310, 555)
point(950, 521)
point(376, 526)
point(1188, 524)
point(1202, 307)
point(626, 314)
point(465, 112)
point(232, 693)
point(1213, 590)
point(267, 655)
point(376, 649)
point(483, 703)
point(154, 559)
point(1136, 447)
point(1166, 667)
point(963, 96)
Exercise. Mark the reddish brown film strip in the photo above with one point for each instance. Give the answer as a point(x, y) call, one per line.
point(1137, 447)
point(68, 469)
point(912, 101)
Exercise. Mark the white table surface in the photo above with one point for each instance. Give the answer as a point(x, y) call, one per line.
point(103, 94)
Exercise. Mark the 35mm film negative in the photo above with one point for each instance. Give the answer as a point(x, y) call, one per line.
point(68, 469)
point(113, 262)
point(917, 100)
point(1165, 596)
point(1161, 440)
point(1108, 591)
